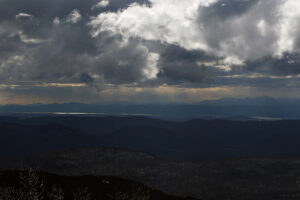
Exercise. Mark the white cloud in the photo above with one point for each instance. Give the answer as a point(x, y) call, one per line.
point(288, 26)
point(101, 4)
point(56, 20)
point(218, 65)
point(268, 27)
point(24, 15)
point(151, 70)
point(24, 38)
point(74, 17)
point(170, 21)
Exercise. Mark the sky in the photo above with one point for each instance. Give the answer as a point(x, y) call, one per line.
point(187, 51)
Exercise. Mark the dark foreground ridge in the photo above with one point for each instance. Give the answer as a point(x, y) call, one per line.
point(29, 185)
point(234, 179)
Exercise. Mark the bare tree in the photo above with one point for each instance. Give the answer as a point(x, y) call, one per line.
point(82, 194)
point(119, 196)
point(56, 193)
point(140, 192)
point(32, 185)
point(10, 193)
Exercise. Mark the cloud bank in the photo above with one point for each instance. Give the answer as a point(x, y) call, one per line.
point(237, 30)
point(145, 45)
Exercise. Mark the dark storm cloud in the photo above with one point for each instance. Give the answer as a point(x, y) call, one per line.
point(49, 9)
point(9, 44)
point(149, 44)
point(44, 11)
point(43, 43)
point(115, 5)
point(288, 64)
point(179, 65)
point(50, 41)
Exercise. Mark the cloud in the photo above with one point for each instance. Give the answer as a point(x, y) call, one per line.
point(138, 46)
point(236, 30)
point(56, 20)
point(74, 17)
point(23, 15)
point(57, 47)
point(287, 64)
point(24, 38)
point(72, 55)
point(101, 4)
point(125, 61)
point(162, 21)
point(179, 66)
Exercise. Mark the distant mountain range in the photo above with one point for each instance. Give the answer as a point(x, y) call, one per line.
point(190, 140)
point(233, 109)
